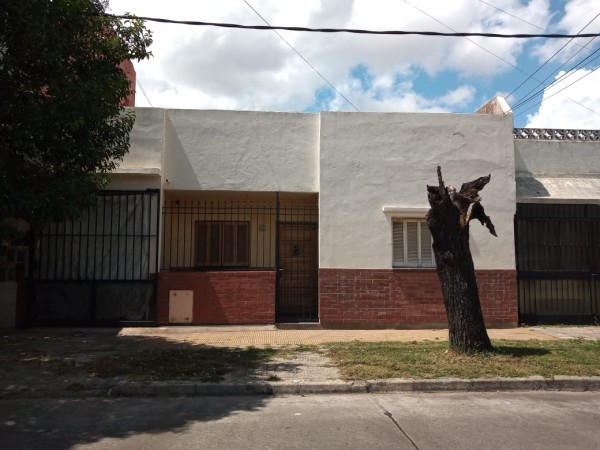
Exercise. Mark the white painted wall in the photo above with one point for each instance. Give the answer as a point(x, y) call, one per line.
point(245, 151)
point(372, 160)
point(146, 143)
point(572, 158)
point(133, 182)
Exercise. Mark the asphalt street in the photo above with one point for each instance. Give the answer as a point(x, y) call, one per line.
point(503, 420)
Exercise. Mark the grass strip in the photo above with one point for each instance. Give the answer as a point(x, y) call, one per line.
point(429, 359)
point(201, 363)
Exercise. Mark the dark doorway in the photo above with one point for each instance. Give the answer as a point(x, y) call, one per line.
point(558, 263)
point(297, 273)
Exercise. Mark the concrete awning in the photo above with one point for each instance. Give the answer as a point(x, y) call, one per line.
point(558, 189)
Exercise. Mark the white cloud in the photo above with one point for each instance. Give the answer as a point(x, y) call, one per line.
point(563, 111)
point(202, 67)
point(576, 14)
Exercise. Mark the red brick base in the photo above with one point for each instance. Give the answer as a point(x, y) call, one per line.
point(380, 298)
point(233, 297)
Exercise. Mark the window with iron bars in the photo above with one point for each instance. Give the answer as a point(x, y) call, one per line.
point(411, 241)
point(222, 244)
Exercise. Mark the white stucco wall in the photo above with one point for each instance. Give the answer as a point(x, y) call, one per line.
point(133, 182)
point(245, 151)
point(146, 143)
point(570, 158)
point(369, 161)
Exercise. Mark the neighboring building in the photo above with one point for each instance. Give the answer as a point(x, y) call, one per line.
point(129, 70)
point(228, 217)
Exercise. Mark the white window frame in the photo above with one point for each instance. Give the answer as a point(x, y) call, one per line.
point(405, 216)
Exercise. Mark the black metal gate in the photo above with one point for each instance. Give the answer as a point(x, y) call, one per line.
point(98, 270)
point(297, 264)
point(558, 263)
point(297, 273)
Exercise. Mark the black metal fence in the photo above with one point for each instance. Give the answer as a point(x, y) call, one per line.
point(277, 233)
point(558, 262)
point(99, 269)
point(218, 234)
point(227, 234)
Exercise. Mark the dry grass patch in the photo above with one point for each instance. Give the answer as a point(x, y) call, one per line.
point(200, 363)
point(428, 359)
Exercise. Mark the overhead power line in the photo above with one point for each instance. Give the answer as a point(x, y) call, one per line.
point(558, 92)
point(359, 31)
point(302, 57)
point(523, 20)
point(466, 38)
point(589, 59)
point(548, 60)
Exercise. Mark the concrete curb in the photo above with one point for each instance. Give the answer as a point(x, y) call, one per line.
point(175, 389)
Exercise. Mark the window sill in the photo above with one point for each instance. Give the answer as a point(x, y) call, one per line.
point(405, 213)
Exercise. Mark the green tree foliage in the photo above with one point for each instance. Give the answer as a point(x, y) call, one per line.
point(62, 127)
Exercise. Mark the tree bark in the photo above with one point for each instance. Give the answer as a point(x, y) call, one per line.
point(448, 220)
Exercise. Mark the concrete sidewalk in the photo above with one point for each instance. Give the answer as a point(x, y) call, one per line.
point(37, 362)
point(270, 336)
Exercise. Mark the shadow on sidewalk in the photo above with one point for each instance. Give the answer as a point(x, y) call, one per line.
point(52, 365)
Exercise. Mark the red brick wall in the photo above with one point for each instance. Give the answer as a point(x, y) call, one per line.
point(351, 298)
point(127, 67)
point(235, 297)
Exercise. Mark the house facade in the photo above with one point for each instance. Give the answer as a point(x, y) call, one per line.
point(229, 217)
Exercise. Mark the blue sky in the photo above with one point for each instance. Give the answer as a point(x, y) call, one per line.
point(216, 68)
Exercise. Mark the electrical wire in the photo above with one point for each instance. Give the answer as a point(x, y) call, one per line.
point(483, 48)
point(558, 92)
point(563, 77)
point(359, 31)
point(523, 20)
point(302, 57)
point(548, 60)
point(143, 91)
point(470, 40)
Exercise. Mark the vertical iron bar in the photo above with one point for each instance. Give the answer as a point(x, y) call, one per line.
point(70, 273)
point(104, 236)
point(118, 233)
point(127, 224)
point(277, 262)
point(151, 197)
point(184, 229)
point(177, 235)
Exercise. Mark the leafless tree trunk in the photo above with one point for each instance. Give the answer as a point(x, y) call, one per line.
point(448, 220)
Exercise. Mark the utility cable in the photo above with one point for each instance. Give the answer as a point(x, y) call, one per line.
point(143, 91)
point(563, 77)
point(302, 57)
point(470, 40)
point(548, 60)
point(483, 48)
point(524, 21)
point(558, 92)
point(359, 31)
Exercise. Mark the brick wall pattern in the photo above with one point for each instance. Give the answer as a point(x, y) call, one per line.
point(233, 297)
point(350, 298)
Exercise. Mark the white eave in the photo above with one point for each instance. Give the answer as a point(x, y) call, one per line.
point(403, 212)
point(544, 189)
point(154, 171)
